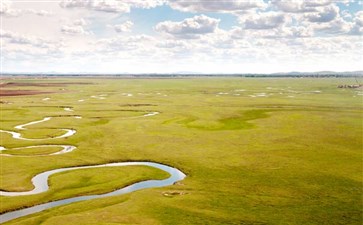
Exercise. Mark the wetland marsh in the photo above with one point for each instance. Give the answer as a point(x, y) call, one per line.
point(254, 150)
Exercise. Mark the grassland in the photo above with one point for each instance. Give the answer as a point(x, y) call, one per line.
point(255, 151)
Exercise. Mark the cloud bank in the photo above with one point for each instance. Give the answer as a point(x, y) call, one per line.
point(200, 36)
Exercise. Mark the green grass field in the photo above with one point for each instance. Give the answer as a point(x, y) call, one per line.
point(255, 151)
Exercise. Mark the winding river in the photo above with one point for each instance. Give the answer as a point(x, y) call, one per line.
point(17, 135)
point(65, 149)
point(40, 181)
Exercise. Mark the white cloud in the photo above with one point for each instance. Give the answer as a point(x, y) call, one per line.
point(357, 27)
point(222, 42)
point(299, 6)
point(265, 37)
point(123, 27)
point(237, 33)
point(314, 18)
point(324, 14)
point(358, 18)
point(73, 30)
point(317, 3)
point(124, 43)
point(146, 4)
point(76, 28)
point(111, 6)
point(80, 22)
point(290, 6)
point(335, 27)
point(298, 32)
point(264, 21)
point(189, 27)
point(215, 5)
point(346, 14)
point(7, 10)
point(16, 38)
point(35, 12)
point(172, 44)
point(293, 32)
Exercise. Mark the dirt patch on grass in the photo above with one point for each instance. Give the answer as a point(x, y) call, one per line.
point(135, 105)
point(173, 193)
point(24, 84)
point(4, 92)
point(22, 92)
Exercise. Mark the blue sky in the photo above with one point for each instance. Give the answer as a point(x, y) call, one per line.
point(148, 18)
point(166, 36)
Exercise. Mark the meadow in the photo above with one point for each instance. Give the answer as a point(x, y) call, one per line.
point(255, 150)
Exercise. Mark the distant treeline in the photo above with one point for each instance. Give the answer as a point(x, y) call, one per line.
point(309, 75)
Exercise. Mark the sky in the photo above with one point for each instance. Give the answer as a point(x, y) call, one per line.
point(180, 36)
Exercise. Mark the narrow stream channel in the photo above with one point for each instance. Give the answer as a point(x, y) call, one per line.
point(65, 149)
point(40, 182)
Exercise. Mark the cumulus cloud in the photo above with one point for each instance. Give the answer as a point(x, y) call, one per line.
point(80, 22)
point(323, 15)
point(274, 32)
point(346, 14)
point(359, 18)
point(17, 38)
point(290, 6)
point(76, 28)
point(314, 18)
point(300, 6)
point(73, 30)
point(123, 27)
point(111, 6)
point(264, 21)
point(221, 40)
point(124, 43)
point(36, 12)
point(357, 28)
point(20, 39)
point(299, 31)
point(317, 3)
point(189, 27)
point(102, 5)
point(335, 27)
point(6, 9)
point(173, 44)
point(146, 4)
point(237, 33)
point(215, 5)
point(294, 32)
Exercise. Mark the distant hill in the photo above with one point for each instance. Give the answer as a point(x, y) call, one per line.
point(192, 74)
point(347, 73)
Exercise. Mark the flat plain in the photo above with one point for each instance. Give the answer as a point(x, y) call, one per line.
point(255, 150)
